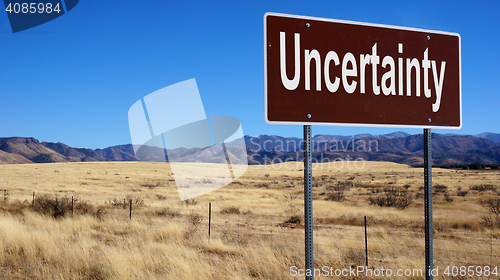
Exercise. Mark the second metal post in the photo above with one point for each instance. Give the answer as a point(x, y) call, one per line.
point(308, 201)
point(428, 203)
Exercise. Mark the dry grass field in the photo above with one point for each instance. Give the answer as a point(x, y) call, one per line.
point(256, 230)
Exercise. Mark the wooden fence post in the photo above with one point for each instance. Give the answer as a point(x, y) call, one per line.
point(131, 209)
point(366, 245)
point(209, 218)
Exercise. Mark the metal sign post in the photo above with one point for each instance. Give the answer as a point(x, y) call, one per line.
point(308, 207)
point(428, 203)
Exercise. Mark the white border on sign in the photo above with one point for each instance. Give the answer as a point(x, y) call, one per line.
point(364, 24)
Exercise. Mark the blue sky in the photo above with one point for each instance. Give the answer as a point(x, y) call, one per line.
point(73, 79)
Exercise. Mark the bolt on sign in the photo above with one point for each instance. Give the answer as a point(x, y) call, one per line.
point(332, 72)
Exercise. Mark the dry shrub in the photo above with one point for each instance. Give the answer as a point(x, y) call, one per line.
point(471, 226)
point(149, 186)
point(490, 222)
point(483, 187)
point(438, 188)
point(447, 197)
point(168, 212)
point(264, 185)
point(137, 201)
point(338, 196)
point(342, 186)
point(337, 193)
point(99, 214)
point(491, 204)
point(295, 219)
point(290, 206)
point(392, 197)
point(355, 257)
point(125, 203)
point(60, 207)
point(116, 203)
point(14, 206)
point(161, 196)
point(82, 207)
point(230, 210)
point(462, 193)
point(351, 220)
point(55, 207)
point(190, 201)
point(194, 220)
point(375, 187)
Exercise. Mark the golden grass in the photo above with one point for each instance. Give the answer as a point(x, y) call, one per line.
point(162, 241)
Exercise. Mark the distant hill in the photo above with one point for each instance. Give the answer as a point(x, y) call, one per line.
point(117, 153)
point(446, 150)
point(440, 144)
point(73, 154)
point(400, 147)
point(30, 149)
point(495, 137)
point(395, 135)
point(490, 153)
point(8, 158)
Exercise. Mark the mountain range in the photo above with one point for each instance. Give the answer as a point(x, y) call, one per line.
point(400, 147)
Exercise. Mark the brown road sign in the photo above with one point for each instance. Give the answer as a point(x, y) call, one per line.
point(331, 72)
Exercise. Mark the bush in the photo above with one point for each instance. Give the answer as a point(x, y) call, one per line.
point(125, 203)
point(344, 185)
point(14, 206)
point(167, 212)
point(475, 166)
point(194, 220)
point(462, 193)
point(350, 220)
point(295, 219)
point(354, 257)
point(447, 197)
point(60, 207)
point(440, 188)
point(264, 185)
point(492, 205)
point(190, 201)
point(392, 197)
point(290, 206)
point(338, 196)
point(161, 196)
point(483, 187)
point(230, 210)
point(490, 222)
